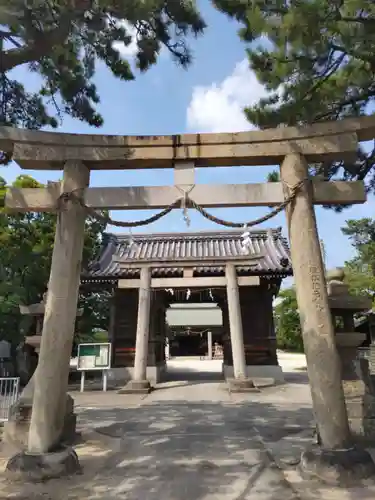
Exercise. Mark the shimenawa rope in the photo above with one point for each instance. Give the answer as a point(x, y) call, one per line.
point(182, 202)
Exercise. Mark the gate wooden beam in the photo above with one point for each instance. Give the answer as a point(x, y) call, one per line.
point(158, 197)
point(241, 260)
point(196, 282)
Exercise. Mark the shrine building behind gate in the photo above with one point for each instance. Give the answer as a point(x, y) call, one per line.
point(194, 262)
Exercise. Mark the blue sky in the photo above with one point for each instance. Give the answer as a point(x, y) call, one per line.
point(209, 97)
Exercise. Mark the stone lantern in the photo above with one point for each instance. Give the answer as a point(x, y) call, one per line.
point(37, 311)
point(16, 429)
point(359, 397)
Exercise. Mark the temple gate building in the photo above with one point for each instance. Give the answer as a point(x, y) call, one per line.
point(195, 328)
point(192, 267)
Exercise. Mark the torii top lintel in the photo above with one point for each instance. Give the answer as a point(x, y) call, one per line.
point(321, 141)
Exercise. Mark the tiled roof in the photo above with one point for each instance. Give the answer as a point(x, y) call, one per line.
point(270, 245)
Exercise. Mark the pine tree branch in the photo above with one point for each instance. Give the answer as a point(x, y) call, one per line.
point(363, 20)
point(324, 77)
point(37, 49)
point(364, 96)
point(6, 35)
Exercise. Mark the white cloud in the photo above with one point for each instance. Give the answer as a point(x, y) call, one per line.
point(276, 302)
point(127, 51)
point(219, 107)
point(130, 51)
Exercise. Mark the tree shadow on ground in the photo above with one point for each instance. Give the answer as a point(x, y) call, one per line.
point(186, 451)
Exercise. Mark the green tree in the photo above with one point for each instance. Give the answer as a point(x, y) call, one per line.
point(273, 176)
point(360, 271)
point(26, 242)
point(359, 275)
point(95, 317)
point(317, 60)
point(63, 40)
point(287, 322)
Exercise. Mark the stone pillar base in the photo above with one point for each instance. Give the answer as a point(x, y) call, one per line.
point(16, 430)
point(136, 387)
point(154, 374)
point(241, 385)
point(347, 467)
point(40, 467)
point(264, 374)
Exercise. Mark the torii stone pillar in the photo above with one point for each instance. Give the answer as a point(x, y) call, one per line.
point(323, 363)
point(139, 382)
point(51, 376)
point(240, 382)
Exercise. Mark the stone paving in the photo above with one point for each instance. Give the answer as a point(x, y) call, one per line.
point(191, 440)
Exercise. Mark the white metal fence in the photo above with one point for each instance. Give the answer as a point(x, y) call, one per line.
point(9, 391)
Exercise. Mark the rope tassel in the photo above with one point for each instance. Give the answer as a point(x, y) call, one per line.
point(185, 204)
point(246, 241)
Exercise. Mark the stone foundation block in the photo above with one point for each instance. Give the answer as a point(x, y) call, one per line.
point(344, 468)
point(241, 385)
point(29, 467)
point(272, 374)
point(363, 428)
point(361, 414)
point(355, 408)
point(136, 387)
point(122, 375)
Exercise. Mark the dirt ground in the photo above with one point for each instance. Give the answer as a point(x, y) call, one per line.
point(192, 440)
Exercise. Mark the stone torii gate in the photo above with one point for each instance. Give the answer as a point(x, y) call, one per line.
point(292, 148)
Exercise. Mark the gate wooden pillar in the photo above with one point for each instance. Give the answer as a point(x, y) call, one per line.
point(323, 363)
point(124, 332)
point(209, 345)
point(157, 341)
point(112, 319)
point(52, 373)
